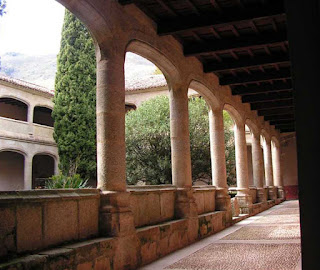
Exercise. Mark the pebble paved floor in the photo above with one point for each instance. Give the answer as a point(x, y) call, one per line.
point(267, 241)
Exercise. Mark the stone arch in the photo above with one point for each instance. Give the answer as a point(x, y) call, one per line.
point(43, 167)
point(204, 91)
point(235, 115)
point(15, 150)
point(145, 50)
point(94, 20)
point(275, 140)
point(252, 126)
point(265, 134)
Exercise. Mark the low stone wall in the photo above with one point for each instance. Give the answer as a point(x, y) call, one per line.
point(144, 246)
point(253, 193)
point(152, 204)
point(37, 219)
point(235, 207)
point(205, 198)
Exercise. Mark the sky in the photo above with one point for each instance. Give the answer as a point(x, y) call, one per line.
point(31, 27)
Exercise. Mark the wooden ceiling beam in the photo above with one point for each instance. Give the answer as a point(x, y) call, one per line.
point(282, 122)
point(287, 130)
point(267, 97)
point(276, 112)
point(258, 89)
point(191, 23)
point(244, 42)
point(272, 105)
point(290, 126)
point(245, 63)
point(279, 117)
point(257, 77)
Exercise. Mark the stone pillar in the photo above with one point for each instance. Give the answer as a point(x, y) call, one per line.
point(30, 114)
point(218, 162)
point(276, 164)
point(180, 152)
point(268, 168)
point(27, 172)
point(257, 164)
point(116, 218)
point(243, 194)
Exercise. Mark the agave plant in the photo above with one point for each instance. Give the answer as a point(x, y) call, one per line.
point(62, 181)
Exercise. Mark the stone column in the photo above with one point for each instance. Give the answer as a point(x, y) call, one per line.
point(243, 195)
point(276, 164)
point(116, 218)
point(268, 168)
point(218, 162)
point(257, 164)
point(180, 151)
point(27, 172)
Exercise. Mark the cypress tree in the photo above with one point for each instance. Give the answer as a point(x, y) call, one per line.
point(74, 110)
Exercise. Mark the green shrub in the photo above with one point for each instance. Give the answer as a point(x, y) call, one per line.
point(62, 181)
point(148, 153)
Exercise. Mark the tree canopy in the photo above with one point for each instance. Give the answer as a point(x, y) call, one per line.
point(75, 100)
point(148, 142)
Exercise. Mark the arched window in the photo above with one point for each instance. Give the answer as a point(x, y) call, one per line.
point(42, 116)
point(42, 169)
point(13, 108)
point(11, 171)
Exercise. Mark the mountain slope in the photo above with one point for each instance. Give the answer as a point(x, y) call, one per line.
point(41, 70)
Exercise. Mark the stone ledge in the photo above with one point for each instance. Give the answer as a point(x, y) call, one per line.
point(25, 196)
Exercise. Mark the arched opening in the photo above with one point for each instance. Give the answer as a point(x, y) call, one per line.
point(229, 125)
point(148, 148)
point(42, 169)
point(199, 138)
point(11, 171)
point(13, 108)
point(249, 154)
point(42, 116)
point(263, 141)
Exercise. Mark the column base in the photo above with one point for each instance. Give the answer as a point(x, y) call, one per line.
point(185, 205)
point(115, 218)
point(281, 193)
point(262, 195)
point(244, 201)
point(223, 203)
point(272, 193)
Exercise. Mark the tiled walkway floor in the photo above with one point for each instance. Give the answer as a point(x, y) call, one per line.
point(267, 241)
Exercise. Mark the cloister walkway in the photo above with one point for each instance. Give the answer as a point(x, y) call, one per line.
point(267, 241)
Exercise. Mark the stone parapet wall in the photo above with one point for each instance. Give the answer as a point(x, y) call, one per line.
point(253, 194)
point(38, 219)
point(152, 204)
point(205, 198)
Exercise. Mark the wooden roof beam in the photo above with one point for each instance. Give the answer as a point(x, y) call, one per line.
point(279, 117)
point(258, 77)
point(191, 23)
point(258, 89)
point(276, 111)
point(272, 105)
point(243, 42)
point(282, 122)
point(245, 63)
point(267, 97)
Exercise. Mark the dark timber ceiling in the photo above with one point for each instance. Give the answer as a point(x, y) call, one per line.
point(244, 42)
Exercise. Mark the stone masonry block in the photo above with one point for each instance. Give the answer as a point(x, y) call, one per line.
point(88, 218)
point(29, 227)
point(60, 222)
